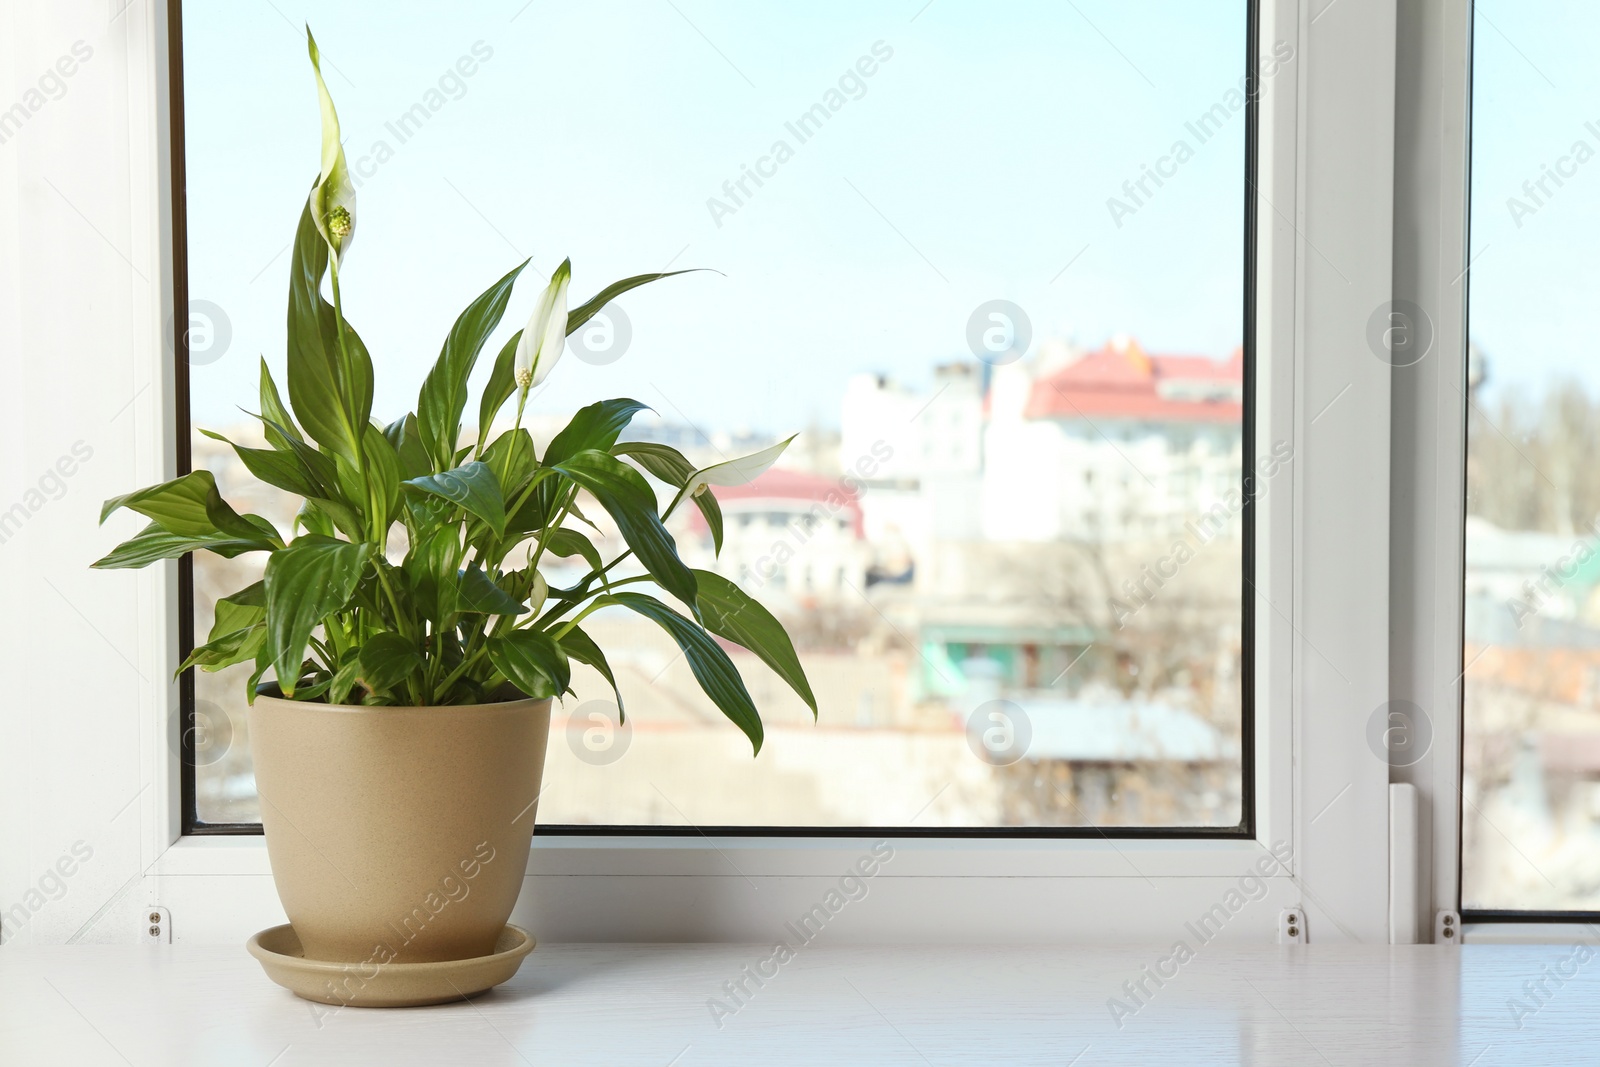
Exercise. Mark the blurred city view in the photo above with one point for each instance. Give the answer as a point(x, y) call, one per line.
point(1016, 592)
point(951, 245)
point(1530, 665)
point(1531, 811)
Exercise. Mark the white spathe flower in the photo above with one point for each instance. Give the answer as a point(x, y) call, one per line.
point(545, 336)
point(333, 197)
point(539, 593)
point(739, 471)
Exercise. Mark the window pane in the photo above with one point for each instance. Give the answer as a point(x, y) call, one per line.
point(1531, 787)
point(988, 261)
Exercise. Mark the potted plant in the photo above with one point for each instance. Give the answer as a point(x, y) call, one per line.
point(411, 644)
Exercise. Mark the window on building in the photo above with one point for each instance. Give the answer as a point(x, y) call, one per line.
point(966, 253)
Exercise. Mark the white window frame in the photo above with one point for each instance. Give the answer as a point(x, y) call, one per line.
point(1428, 491)
point(1325, 254)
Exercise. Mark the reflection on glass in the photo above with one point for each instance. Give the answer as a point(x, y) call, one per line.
point(1531, 790)
point(990, 268)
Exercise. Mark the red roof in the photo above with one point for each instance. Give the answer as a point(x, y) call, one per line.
point(788, 487)
point(1122, 381)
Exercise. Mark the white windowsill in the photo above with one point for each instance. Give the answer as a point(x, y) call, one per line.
point(827, 1004)
point(652, 856)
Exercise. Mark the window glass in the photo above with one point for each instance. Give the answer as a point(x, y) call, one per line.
point(1531, 688)
point(988, 261)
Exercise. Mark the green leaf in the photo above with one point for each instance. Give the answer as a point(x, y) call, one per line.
point(444, 392)
point(711, 666)
point(405, 435)
point(428, 512)
point(313, 518)
point(581, 647)
point(387, 660)
point(306, 582)
point(584, 312)
point(595, 426)
point(325, 516)
point(277, 467)
point(238, 631)
point(253, 595)
point(154, 543)
point(730, 612)
point(471, 485)
point(352, 486)
point(344, 679)
point(662, 461)
point(383, 483)
point(712, 511)
point(330, 383)
point(532, 661)
point(502, 383)
point(577, 513)
point(234, 647)
point(321, 682)
point(189, 506)
point(279, 424)
point(481, 596)
point(240, 611)
point(511, 456)
point(322, 466)
point(565, 542)
point(623, 492)
point(534, 513)
point(263, 661)
point(671, 466)
point(432, 567)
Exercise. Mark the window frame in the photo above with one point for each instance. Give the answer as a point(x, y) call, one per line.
point(1324, 187)
point(1432, 170)
point(1443, 275)
point(1244, 830)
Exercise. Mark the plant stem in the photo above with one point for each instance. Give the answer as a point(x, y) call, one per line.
point(401, 622)
point(522, 401)
point(596, 605)
point(682, 492)
point(469, 656)
point(556, 609)
point(551, 527)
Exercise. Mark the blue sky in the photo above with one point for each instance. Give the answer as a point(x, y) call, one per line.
point(975, 164)
point(1535, 288)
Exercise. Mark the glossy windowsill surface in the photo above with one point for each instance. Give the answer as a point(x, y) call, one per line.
point(681, 1005)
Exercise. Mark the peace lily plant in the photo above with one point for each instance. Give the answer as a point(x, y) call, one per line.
point(464, 615)
point(412, 639)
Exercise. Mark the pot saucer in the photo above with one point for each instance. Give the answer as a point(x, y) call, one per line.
point(389, 985)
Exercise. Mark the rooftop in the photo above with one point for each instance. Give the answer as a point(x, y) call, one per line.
point(1123, 381)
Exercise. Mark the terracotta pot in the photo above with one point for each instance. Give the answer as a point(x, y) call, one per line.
point(398, 833)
